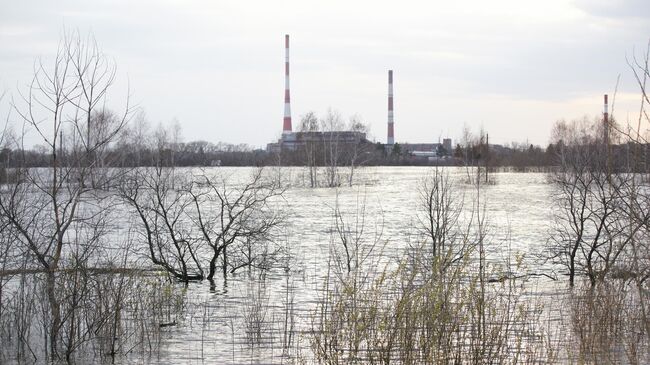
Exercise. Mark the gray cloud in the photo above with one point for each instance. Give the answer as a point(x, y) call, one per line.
point(217, 66)
point(616, 9)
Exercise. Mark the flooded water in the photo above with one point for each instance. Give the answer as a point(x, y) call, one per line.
point(247, 319)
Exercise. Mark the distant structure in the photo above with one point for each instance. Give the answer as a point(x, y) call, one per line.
point(428, 151)
point(605, 121)
point(286, 125)
point(296, 140)
point(391, 132)
point(446, 144)
point(291, 140)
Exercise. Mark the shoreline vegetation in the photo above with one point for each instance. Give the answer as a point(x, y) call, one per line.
point(512, 157)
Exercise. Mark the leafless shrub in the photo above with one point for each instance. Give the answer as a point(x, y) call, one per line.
point(428, 310)
point(161, 209)
point(288, 317)
point(179, 221)
point(605, 324)
point(255, 312)
point(351, 247)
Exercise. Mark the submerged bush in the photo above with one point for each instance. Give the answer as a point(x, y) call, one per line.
point(415, 314)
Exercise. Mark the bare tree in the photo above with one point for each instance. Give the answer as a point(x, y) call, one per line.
point(48, 210)
point(309, 125)
point(475, 153)
point(351, 247)
point(332, 124)
point(161, 210)
point(228, 216)
point(185, 223)
point(135, 142)
point(440, 207)
point(639, 196)
point(358, 150)
point(592, 226)
point(101, 157)
point(175, 139)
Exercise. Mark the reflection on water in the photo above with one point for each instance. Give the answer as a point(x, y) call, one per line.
point(256, 317)
point(248, 319)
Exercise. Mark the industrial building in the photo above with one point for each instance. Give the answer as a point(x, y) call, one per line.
point(428, 149)
point(295, 140)
point(292, 141)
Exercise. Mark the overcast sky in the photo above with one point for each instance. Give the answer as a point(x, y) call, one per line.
point(513, 67)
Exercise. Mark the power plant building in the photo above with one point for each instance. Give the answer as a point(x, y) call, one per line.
point(295, 140)
point(291, 141)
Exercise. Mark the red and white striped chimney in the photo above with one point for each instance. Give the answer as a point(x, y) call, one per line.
point(286, 125)
point(605, 121)
point(391, 136)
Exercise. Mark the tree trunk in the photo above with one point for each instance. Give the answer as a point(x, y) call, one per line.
point(55, 309)
point(225, 263)
point(213, 266)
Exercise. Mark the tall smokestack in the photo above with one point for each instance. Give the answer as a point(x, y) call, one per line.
point(391, 136)
point(605, 121)
point(286, 125)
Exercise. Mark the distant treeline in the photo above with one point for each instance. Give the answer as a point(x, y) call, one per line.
point(197, 153)
point(201, 153)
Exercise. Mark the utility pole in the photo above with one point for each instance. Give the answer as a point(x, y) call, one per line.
point(607, 137)
point(487, 154)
